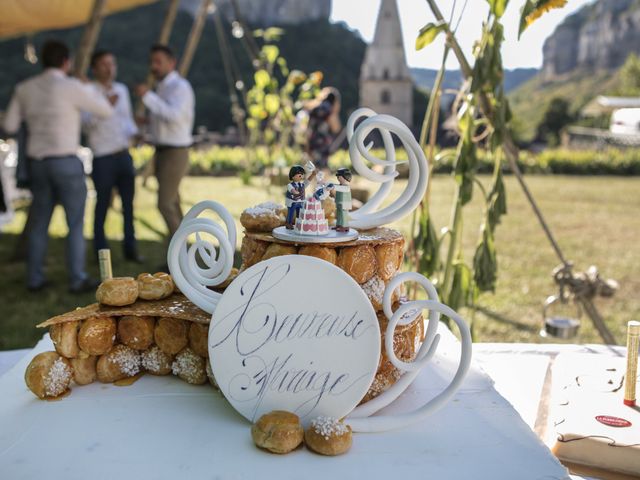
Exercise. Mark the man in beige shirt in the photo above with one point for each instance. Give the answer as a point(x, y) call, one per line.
point(51, 104)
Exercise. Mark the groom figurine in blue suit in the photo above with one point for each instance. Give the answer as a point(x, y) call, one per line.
point(295, 196)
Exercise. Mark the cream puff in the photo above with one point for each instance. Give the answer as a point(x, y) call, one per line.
point(48, 375)
point(155, 287)
point(97, 335)
point(118, 291)
point(118, 363)
point(328, 436)
point(278, 432)
point(136, 332)
point(190, 367)
point(171, 334)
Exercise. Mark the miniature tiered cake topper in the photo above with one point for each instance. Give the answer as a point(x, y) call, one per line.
point(301, 218)
point(264, 312)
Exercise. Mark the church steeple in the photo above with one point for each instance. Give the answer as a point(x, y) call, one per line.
point(385, 80)
point(388, 31)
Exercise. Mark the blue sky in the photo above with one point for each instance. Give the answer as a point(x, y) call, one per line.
point(361, 15)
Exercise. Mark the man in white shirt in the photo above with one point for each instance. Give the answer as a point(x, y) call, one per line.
point(51, 103)
point(171, 109)
point(109, 139)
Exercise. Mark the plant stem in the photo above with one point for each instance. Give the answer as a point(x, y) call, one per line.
point(455, 234)
point(433, 136)
point(427, 123)
point(430, 125)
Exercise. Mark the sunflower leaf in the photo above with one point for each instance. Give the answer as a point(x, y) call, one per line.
point(428, 34)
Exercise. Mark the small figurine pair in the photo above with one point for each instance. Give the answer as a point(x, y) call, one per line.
point(295, 195)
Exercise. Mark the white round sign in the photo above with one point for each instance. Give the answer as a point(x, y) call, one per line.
point(294, 333)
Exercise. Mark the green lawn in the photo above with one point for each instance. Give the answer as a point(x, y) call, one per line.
point(595, 219)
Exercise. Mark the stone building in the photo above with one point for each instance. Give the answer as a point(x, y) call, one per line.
point(386, 85)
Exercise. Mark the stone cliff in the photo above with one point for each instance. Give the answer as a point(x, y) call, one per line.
point(599, 36)
point(266, 13)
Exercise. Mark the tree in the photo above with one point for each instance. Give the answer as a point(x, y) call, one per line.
point(629, 77)
point(556, 117)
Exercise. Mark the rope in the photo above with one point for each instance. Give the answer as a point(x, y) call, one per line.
point(582, 288)
point(247, 38)
point(583, 285)
point(232, 76)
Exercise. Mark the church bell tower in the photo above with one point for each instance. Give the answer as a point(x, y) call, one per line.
point(386, 85)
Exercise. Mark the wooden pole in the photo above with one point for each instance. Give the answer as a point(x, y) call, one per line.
point(169, 20)
point(598, 321)
point(163, 39)
point(194, 37)
point(89, 38)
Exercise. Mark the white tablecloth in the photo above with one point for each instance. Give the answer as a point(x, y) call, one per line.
point(9, 358)
point(161, 427)
point(521, 373)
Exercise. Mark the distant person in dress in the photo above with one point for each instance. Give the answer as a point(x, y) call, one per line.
point(51, 104)
point(324, 125)
point(109, 139)
point(171, 108)
point(5, 212)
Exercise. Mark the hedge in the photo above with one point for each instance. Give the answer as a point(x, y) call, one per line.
point(220, 161)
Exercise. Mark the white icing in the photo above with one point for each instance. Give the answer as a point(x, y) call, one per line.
point(186, 268)
point(361, 419)
point(270, 208)
point(57, 379)
point(368, 216)
point(188, 365)
point(374, 288)
point(328, 427)
point(127, 359)
point(153, 359)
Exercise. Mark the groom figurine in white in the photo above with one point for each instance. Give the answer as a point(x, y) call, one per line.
point(342, 192)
